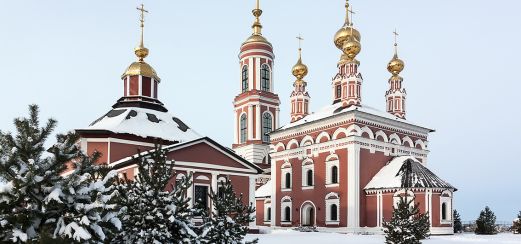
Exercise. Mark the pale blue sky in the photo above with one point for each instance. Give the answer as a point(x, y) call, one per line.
point(461, 75)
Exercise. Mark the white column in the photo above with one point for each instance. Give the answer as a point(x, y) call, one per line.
point(277, 113)
point(250, 74)
point(257, 73)
point(379, 209)
point(353, 182)
point(152, 88)
point(140, 85)
point(236, 127)
point(258, 119)
point(251, 192)
point(250, 122)
point(190, 191)
point(274, 185)
point(428, 203)
point(127, 81)
point(214, 189)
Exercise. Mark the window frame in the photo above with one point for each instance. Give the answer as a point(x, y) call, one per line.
point(267, 126)
point(265, 77)
point(245, 78)
point(243, 128)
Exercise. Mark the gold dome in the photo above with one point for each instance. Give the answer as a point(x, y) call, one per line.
point(351, 48)
point(141, 68)
point(396, 65)
point(257, 38)
point(299, 69)
point(343, 34)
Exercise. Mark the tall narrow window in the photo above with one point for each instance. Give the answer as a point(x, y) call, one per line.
point(287, 214)
point(265, 78)
point(288, 181)
point(444, 211)
point(334, 175)
point(267, 126)
point(309, 176)
point(245, 78)
point(244, 128)
point(268, 214)
point(338, 91)
point(334, 212)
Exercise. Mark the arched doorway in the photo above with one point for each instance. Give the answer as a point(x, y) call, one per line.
point(307, 214)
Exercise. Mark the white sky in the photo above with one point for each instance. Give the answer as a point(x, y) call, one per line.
point(461, 72)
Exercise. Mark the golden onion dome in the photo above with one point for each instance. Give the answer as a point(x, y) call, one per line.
point(299, 70)
point(141, 68)
point(344, 33)
point(351, 48)
point(396, 65)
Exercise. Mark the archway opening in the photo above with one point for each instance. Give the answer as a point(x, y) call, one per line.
point(307, 215)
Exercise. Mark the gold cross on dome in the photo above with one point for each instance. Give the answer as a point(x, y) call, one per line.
point(350, 10)
point(300, 39)
point(395, 37)
point(143, 11)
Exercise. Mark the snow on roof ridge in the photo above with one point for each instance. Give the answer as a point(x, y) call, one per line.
point(145, 123)
point(421, 176)
point(264, 190)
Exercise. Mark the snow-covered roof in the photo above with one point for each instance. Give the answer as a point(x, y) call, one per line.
point(336, 109)
point(265, 190)
point(145, 123)
point(420, 177)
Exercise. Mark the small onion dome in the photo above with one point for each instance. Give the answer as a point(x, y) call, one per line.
point(141, 68)
point(396, 65)
point(344, 33)
point(351, 48)
point(141, 52)
point(299, 69)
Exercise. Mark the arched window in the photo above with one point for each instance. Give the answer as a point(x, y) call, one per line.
point(267, 126)
point(265, 78)
point(287, 214)
point(244, 128)
point(334, 174)
point(334, 212)
point(268, 214)
point(443, 211)
point(245, 78)
point(288, 180)
point(338, 91)
point(309, 176)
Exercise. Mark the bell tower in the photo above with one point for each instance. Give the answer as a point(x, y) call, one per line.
point(396, 95)
point(299, 97)
point(256, 108)
point(347, 83)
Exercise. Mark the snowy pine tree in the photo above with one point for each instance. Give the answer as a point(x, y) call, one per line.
point(486, 222)
point(407, 225)
point(458, 227)
point(151, 213)
point(517, 224)
point(37, 201)
point(228, 221)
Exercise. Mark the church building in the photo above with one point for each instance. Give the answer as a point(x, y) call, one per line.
point(338, 168)
point(139, 120)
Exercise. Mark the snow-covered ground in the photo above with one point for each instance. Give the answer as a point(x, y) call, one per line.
point(289, 237)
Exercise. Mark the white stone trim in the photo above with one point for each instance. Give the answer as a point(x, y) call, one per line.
point(448, 201)
point(329, 175)
point(353, 181)
point(308, 164)
point(332, 198)
point(286, 202)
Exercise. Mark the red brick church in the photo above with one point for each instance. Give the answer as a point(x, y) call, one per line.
point(336, 168)
point(139, 119)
